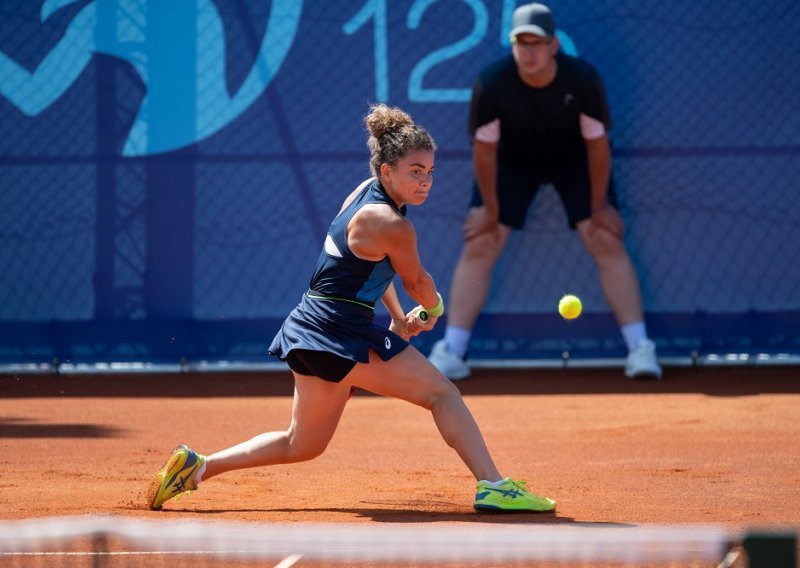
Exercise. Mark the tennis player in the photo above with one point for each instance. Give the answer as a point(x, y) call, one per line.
point(332, 345)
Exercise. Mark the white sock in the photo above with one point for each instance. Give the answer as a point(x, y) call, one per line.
point(494, 483)
point(198, 477)
point(633, 334)
point(457, 340)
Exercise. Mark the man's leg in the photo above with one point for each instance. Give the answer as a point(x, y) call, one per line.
point(469, 289)
point(618, 277)
point(472, 279)
point(620, 285)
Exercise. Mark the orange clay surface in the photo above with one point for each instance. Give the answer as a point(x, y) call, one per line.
point(707, 445)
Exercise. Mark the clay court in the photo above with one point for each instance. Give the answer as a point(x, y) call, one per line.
point(714, 445)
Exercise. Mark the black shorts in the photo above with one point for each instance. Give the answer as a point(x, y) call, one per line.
point(326, 338)
point(322, 364)
point(517, 186)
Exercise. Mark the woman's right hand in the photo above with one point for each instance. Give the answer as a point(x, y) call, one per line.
point(415, 322)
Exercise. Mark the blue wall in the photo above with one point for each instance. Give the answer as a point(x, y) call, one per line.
point(168, 169)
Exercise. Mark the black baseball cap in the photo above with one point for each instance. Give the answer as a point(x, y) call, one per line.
point(533, 19)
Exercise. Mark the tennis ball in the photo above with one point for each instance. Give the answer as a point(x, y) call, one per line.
point(570, 307)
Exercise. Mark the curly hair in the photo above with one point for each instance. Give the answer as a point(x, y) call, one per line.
point(393, 134)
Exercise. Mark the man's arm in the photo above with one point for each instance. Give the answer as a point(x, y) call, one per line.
point(598, 153)
point(484, 163)
point(599, 156)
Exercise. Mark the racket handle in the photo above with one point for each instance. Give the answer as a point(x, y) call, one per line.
point(422, 315)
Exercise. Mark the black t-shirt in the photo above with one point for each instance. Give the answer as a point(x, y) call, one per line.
point(539, 127)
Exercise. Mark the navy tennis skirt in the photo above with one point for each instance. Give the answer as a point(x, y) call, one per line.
point(338, 327)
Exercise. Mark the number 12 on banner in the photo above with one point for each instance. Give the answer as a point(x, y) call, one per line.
point(376, 10)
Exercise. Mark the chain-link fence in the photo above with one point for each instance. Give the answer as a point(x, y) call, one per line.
point(168, 170)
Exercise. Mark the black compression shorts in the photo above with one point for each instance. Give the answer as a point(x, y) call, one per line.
point(517, 186)
point(322, 364)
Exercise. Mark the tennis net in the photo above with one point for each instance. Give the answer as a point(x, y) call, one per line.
point(120, 541)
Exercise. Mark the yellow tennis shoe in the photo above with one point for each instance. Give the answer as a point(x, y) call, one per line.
point(176, 477)
point(510, 495)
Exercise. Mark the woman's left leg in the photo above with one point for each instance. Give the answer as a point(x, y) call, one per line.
point(316, 410)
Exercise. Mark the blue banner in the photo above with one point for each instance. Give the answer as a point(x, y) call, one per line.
point(168, 170)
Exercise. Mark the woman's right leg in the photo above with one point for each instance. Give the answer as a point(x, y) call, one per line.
point(411, 377)
point(317, 408)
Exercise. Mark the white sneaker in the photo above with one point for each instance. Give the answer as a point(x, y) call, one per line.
point(642, 363)
point(449, 364)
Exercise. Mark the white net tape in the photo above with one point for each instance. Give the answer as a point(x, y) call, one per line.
point(348, 543)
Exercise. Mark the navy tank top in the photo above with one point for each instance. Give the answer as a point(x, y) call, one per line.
point(339, 273)
point(337, 314)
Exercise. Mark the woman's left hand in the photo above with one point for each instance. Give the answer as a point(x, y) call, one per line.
point(412, 325)
point(416, 324)
point(400, 327)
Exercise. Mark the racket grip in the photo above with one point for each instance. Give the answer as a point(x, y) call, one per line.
point(422, 315)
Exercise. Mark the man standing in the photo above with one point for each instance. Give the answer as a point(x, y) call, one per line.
point(540, 117)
